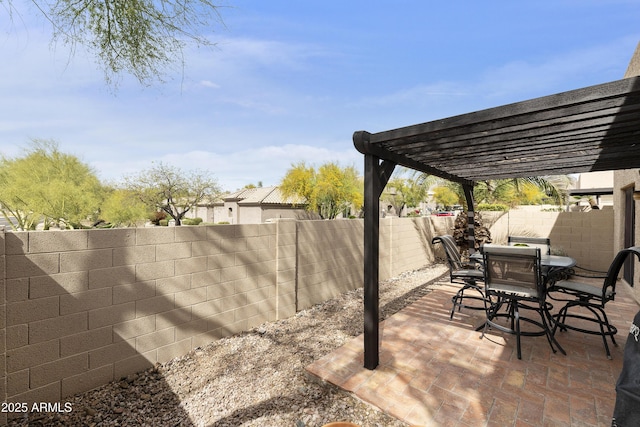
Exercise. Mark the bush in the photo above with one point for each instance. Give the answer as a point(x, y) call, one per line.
point(492, 207)
point(223, 222)
point(191, 221)
point(157, 217)
point(163, 222)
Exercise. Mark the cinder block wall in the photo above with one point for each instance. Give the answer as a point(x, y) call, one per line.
point(83, 307)
point(3, 327)
point(330, 256)
point(405, 243)
point(586, 236)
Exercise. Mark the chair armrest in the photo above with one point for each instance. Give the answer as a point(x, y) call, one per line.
point(473, 264)
point(586, 272)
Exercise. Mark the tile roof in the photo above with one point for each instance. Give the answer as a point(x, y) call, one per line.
point(262, 195)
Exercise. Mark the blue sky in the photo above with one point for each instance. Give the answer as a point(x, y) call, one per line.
point(291, 81)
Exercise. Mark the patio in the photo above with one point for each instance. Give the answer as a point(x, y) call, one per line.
point(438, 372)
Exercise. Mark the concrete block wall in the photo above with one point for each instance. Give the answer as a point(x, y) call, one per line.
point(586, 236)
point(3, 326)
point(409, 242)
point(84, 307)
point(330, 259)
point(330, 253)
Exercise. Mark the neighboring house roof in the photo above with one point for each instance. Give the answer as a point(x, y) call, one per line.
point(261, 196)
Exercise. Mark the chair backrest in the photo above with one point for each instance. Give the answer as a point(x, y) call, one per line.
point(451, 250)
point(544, 243)
point(514, 270)
point(610, 280)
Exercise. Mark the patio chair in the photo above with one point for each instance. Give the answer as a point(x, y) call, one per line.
point(588, 298)
point(513, 276)
point(468, 274)
point(544, 243)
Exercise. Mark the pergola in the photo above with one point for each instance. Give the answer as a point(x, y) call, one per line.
point(596, 128)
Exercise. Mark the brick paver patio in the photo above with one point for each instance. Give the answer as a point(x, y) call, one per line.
point(438, 372)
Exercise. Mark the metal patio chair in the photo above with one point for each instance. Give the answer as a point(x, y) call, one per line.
point(544, 243)
point(590, 298)
point(513, 276)
point(468, 274)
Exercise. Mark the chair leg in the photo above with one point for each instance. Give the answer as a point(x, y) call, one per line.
point(458, 298)
point(516, 318)
point(547, 320)
point(602, 322)
point(490, 309)
point(599, 317)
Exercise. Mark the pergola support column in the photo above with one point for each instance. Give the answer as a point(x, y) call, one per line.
point(468, 194)
point(376, 176)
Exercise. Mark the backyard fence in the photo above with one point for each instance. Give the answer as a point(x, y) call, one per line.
point(81, 308)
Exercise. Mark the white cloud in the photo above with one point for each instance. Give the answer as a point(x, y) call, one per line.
point(505, 83)
point(209, 84)
point(235, 169)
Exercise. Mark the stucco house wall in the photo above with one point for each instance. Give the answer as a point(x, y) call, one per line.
point(627, 180)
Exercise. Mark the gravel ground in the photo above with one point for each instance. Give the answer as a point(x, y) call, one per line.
point(256, 378)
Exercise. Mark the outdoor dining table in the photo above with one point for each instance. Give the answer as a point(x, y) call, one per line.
point(553, 267)
point(552, 264)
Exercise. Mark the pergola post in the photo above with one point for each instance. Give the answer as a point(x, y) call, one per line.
point(376, 176)
point(468, 194)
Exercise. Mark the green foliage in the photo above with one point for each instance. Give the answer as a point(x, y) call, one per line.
point(249, 186)
point(492, 207)
point(445, 196)
point(299, 181)
point(139, 37)
point(122, 208)
point(191, 221)
point(48, 185)
point(523, 191)
point(328, 191)
point(401, 192)
point(156, 217)
point(171, 190)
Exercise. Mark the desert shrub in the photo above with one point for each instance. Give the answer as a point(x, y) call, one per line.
point(191, 221)
point(492, 207)
point(156, 217)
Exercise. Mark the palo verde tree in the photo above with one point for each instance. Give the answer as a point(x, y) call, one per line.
point(328, 191)
point(139, 37)
point(172, 190)
point(401, 192)
point(121, 208)
point(445, 196)
point(49, 186)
